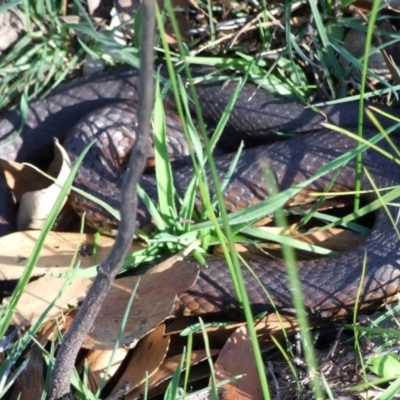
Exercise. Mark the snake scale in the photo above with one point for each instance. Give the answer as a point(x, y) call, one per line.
point(329, 285)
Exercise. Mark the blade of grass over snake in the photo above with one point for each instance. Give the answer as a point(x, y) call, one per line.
point(286, 241)
point(232, 167)
point(338, 47)
point(335, 220)
point(152, 208)
point(173, 387)
point(187, 212)
point(378, 92)
point(268, 206)
point(374, 205)
point(368, 41)
point(318, 203)
point(234, 267)
point(194, 139)
point(369, 143)
point(213, 380)
point(388, 138)
point(217, 133)
point(289, 257)
point(383, 204)
point(165, 181)
point(245, 64)
point(225, 116)
point(357, 302)
point(382, 112)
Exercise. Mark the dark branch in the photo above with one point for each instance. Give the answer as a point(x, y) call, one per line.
point(60, 382)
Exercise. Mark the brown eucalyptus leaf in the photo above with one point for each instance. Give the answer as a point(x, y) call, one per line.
point(35, 206)
point(22, 178)
point(98, 362)
point(145, 359)
point(30, 384)
point(56, 255)
point(167, 370)
point(153, 303)
point(12, 26)
point(42, 293)
point(237, 358)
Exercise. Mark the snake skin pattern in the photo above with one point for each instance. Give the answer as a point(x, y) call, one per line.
point(106, 106)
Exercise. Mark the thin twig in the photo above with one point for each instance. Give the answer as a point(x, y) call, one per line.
point(73, 339)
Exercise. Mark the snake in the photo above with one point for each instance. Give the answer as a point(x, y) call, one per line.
point(104, 106)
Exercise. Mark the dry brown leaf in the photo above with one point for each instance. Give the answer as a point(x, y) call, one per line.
point(40, 294)
point(35, 206)
point(236, 358)
point(198, 372)
point(35, 193)
point(154, 301)
point(22, 178)
point(51, 329)
point(272, 324)
point(56, 257)
point(30, 384)
point(216, 335)
point(167, 369)
point(12, 26)
point(98, 362)
point(146, 358)
point(180, 19)
point(57, 252)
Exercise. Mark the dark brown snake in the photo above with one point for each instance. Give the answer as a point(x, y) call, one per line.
point(329, 285)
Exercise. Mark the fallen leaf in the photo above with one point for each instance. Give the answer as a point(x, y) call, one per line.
point(34, 207)
point(40, 294)
point(22, 178)
point(167, 370)
point(57, 253)
point(12, 26)
point(56, 257)
point(237, 358)
point(154, 301)
point(146, 359)
point(30, 384)
point(99, 361)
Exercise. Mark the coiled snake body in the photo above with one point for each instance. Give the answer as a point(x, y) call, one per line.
point(329, 285)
